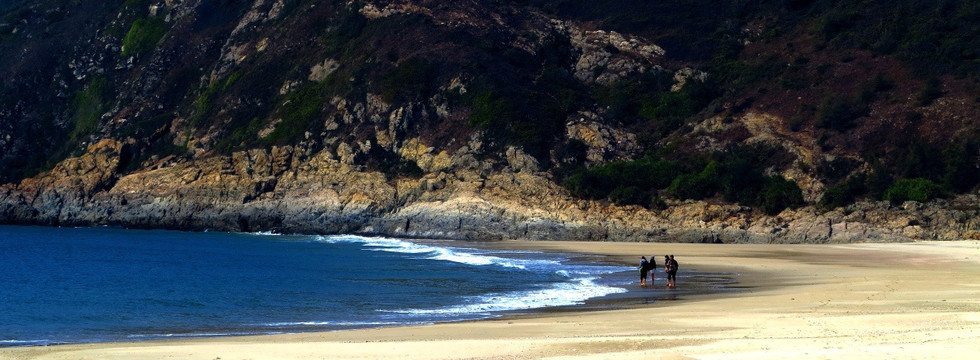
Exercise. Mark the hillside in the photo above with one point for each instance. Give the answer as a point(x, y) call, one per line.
point(749, 121)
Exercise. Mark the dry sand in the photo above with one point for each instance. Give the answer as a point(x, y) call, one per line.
point(860, 301)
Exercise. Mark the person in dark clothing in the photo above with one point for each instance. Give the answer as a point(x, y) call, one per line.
point(672, 274)
point(644, 268)
point(653, 269)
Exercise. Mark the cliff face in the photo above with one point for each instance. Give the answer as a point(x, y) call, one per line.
point(288, 191)
point(450, 120)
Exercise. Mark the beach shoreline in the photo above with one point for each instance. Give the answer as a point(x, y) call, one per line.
point(897, 300)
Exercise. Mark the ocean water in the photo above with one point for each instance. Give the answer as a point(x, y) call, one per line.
point(72, 285)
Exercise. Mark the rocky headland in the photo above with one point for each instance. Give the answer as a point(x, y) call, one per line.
point(289, 191)
point(469, 119)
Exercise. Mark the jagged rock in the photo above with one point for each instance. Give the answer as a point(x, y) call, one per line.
point(320, 183)
point(682, 76)
point(597, 63)
point(604, 143)
point(273, 190)
point(320, 71)
point(346, 154)
point(520, 161)
point(423, 156)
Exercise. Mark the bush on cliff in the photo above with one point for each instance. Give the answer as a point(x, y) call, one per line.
point(778, 194)
point(646, 99)
point(627, 182)
point(843, 193)
point(89, 104)
point(409, 80)
point(917, 189)
point(696, 186)
point(143, 36)
point(739, 176)
point(961, 173)
point(839, 113)
point(629, 195)
point(953, 166)
point(299, 110)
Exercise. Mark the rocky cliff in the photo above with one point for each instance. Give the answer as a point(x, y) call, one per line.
point(288, 191)
point(466, 119)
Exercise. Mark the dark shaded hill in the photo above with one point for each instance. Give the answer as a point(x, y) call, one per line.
point(767, 104)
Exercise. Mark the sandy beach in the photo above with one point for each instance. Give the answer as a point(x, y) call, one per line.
point(856, 301)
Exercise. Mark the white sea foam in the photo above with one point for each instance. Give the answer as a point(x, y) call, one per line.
point(260, 233)
point(562, 294)
point(342, 323)
point(580, 285)
point(24, 342)
point(462, 256)
point(201, 334)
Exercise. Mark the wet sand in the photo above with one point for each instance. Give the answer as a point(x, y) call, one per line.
point(857, 301)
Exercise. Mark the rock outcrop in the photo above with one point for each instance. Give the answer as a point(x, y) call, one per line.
point(286, 191)
point(460, 119)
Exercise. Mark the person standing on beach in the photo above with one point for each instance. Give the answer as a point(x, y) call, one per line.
point(653, 269)
point(672, 274)
point(644, 268)
point(667, 269)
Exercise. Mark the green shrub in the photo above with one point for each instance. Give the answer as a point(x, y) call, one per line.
point(835, 196)
point(877, 182)
point(89, 104)
point(204, 102)
point(697, 186)
point(624, 99)
point(586, 185)
point(489, 110)
point(919, 159)
point(870, 90)
point(143, 35)
point(961, 166)
point(410, 79)
point(647, 99)
point(836, 22)
point(917, 189)
point(738, 175)
point(629, 195)
point(240, 136)
point(645, 172)
point(845, 192)
point(779, 194)
point(516, 109)
point(656, 202)
point(299, 112)
point(739, 179)
point(626, 182)
point(669, 109)
point(839, 113)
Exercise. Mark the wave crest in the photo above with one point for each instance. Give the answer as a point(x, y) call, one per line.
point(457, 255)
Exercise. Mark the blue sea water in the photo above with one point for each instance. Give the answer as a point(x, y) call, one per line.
point(71, 285)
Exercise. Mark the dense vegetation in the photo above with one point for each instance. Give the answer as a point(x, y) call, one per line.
point(933, 40)
point(143, 36)
point(886, 90)
point(737, 175)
